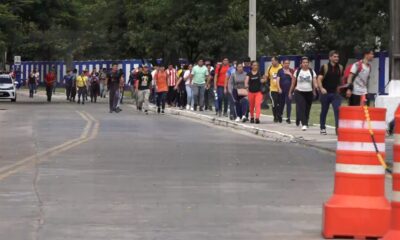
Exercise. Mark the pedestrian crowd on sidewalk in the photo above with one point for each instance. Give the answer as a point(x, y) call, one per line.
point(235, 90)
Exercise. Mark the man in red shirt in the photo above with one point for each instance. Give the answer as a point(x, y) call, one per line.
point(219, 86)
point(50, 81)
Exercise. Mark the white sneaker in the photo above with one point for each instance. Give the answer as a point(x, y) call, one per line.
point(188, 107)
point(237, 119)
point(191, 109)
point(304, 128)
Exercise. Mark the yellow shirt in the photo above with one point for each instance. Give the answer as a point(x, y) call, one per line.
point(272, 75)
point(81, 81)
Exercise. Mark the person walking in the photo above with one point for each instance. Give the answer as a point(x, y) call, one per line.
point(304, 87)
point(181, 88)
point(50, 82)
point(161, 83)
point(284, 81)
point(329, 80)
point(37, 78)
point(114, 79)
point(143, 89)
point(103, 80)
point(209, 95)
point(358, 79)
point(199, 75)
point(253, 84)
point(54, 72)
point(228, 88)
point(94, 87)
point(219, 86)
point(73, 85)
point(81, 84)
point(187, 78)
point(240, 94)
point(32, 83)
point(172, 79)
point(272, 77)
point(68, 84)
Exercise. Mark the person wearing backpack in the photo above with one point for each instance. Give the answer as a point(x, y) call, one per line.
point(304, 87)
point(272, 77)
point(329, 80)
point(358, 79)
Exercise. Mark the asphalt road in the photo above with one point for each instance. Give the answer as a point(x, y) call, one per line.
point(78, 172)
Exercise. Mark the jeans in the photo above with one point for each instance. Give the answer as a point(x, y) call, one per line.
point(285, 100)
point(32, 87)
point(255, 100)
point(303, 106)
point(161, 98)
point(143, 99)
point(198, 94)
point(222, 99)
point(114, 97)
point(326, 100)
point(81, 92)
point(103, 89)
point(241, 104)
point(189, 94)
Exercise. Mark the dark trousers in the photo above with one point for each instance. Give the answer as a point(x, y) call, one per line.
point(182, 97)
point(285, 100)
point(73, 94)
point(209, 98)
point(356, 100)
point(49, 92)
point(275, 105)
point(303, 106)
point(161, 98)
point(81, 93)
point(114, 97)
point(241, 104)
point(94, 92)
point(68, 90)
point(232, 105)
point(222, 100)
point(32, 87)
point(171, 96)
point(326, 100)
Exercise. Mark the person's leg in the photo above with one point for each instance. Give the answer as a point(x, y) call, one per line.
point(252, 101)
point(309, 96)
point(79, 94)
point(140, 99)
point(220, 93)
point(325, 102)
point(158, 100)
point(336, 102)
point(245, 107)
point(202, 89)
point(195, 93)
point(288, 105)
point(117, 98)
point(146, 100)
point(258, 102)
point(49, 93)
point(226, 103)
point(188, 96)
point(30, 90)
point(111, 98)
point(232, 108)
point(163, 100)
point(301, 108)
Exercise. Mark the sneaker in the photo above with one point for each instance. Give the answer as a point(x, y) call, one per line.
point(225, 114)
point(118, 110)
point(323, 132)
point(297, 123)
point(237, 119)
point(275, 120)
point(252, 120)
point(201, 109)
point(83, 103)
point(158, 110)
point(146, 112)
point(257, 121)
point(188, 107)
point(192, 109)
point(244, 119)
point(280, 120)
point(288, 121)
point(162, 112)
point(304, 128)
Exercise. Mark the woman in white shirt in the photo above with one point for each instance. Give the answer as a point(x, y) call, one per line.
point(304, 87)
point(188, 84)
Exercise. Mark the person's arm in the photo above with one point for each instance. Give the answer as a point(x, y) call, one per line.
point(294, 82)
point(315, 86)
point(278, 80)
point(228, 76)
point(216, 77)
point(246, 82)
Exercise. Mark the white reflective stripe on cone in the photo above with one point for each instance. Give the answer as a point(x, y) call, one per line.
point(397, 139)
point(396, 196)
point(360, 146)
point(360, 169)
point(360, 124)
point(396, 167)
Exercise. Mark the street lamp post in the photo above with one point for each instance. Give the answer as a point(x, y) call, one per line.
point(253, 29)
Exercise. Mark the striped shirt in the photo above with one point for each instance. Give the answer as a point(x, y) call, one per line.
point(171, 77)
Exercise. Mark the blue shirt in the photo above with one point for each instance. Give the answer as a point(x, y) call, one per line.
point(230, 71)
point(285, 79)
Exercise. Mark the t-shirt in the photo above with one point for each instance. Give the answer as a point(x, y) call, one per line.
point(81, 81)
point(31, 79)
point(114, 78)
point(221, 75)
point(285, 80)
point(68, 80)
point(254, 82)
point(144, 81)
point(247, 69)
point(161, 81)
point(171, 77)
point(199, 74)
point(272, 75)
point(332, 78)
point(186, 77)
point(304, 80)
point(360, 83)
point(239, 80)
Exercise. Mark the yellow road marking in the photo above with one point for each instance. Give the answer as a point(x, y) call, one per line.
point(40, 157)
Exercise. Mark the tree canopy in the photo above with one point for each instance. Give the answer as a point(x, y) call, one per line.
point(170, 29)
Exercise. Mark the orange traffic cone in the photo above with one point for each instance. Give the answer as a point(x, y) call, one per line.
point(394, 233)
point(358, 207)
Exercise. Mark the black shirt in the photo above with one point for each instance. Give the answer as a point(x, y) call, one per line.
point(332, 79)
point(114, 78)
point(254, 82)
point(144, 80)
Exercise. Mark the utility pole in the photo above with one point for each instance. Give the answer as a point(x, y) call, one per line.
point(253, 29)
point(394, 86)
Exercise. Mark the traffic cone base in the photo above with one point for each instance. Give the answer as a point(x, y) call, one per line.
point(359, 217)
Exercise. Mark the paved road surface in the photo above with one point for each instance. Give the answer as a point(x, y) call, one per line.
point(132, 176)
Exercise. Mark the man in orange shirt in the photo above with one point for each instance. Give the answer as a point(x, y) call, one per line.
point(219, 86)
point(161, 82)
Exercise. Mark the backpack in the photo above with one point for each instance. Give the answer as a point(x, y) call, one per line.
point(298, 73)
point(326, 69)
point(347, 71)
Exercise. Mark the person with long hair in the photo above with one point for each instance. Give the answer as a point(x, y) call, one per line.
point(161, 82)
point(253, 84)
